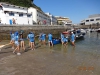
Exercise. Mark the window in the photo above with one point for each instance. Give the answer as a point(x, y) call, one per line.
point(20, 15)
point(91, 19)
point(28, 15)
point(11, 14)
point(87, 20)
point(6, 12)
point(98, 19)
point(1, 8)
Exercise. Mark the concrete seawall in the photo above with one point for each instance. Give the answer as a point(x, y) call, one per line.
point(5, 29)
point(54, 29)
point(89, 26)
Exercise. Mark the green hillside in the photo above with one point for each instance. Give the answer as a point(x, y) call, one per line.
point(23, 3)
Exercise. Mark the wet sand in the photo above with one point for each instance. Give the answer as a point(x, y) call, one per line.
point(84, 59)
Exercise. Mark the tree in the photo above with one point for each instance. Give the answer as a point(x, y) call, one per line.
point(23, 3)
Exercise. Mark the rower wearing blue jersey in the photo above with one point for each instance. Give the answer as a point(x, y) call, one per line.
point(65, 40)
point(32, 40)
point(73, 39)
point(12, 39)
point(62, 37)
point(50, 39)
point(43, 38)
point(16, 38)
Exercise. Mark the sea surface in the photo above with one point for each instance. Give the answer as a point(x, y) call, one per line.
point(86, 54)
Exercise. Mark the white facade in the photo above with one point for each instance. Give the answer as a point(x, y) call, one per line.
point(93, 19)
point(53, 19)
point(39, 17)
point(11, 14)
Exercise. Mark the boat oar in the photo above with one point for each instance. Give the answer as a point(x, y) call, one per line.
point(1, 46)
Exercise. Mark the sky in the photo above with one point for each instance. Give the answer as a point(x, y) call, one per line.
point(76, 10)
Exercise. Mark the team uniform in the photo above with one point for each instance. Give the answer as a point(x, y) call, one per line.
point(72, 38)
point(32, 40)
point(16, 38)
point(65, 39)
point(12, 36)
point(31, 37)
point(50, 38)
point(43, 37)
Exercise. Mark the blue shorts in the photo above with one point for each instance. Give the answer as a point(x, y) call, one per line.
point(17, 43)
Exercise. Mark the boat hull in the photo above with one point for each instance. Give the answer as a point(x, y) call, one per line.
point(98, 31)
point(56, 41)
point(79, 37)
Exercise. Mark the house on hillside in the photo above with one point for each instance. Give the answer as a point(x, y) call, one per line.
point(52, 18)
point(11, 14)
point(39, 17)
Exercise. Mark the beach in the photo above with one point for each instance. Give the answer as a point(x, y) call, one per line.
point(84, 59)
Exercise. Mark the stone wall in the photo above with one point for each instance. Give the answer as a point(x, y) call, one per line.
point(5, 29)
point(54, 29)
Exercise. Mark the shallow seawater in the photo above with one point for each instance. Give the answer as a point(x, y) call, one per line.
point(90, 43)
point(86, 54)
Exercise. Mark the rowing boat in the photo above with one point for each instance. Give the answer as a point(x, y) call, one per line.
point(56, 41)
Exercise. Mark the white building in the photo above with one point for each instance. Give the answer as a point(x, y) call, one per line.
point(11, 14)
point(63, 20)
point(52, 18)
point(92, 19)
point(39, 17)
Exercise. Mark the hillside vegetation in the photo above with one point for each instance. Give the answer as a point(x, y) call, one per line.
point(23, 3)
